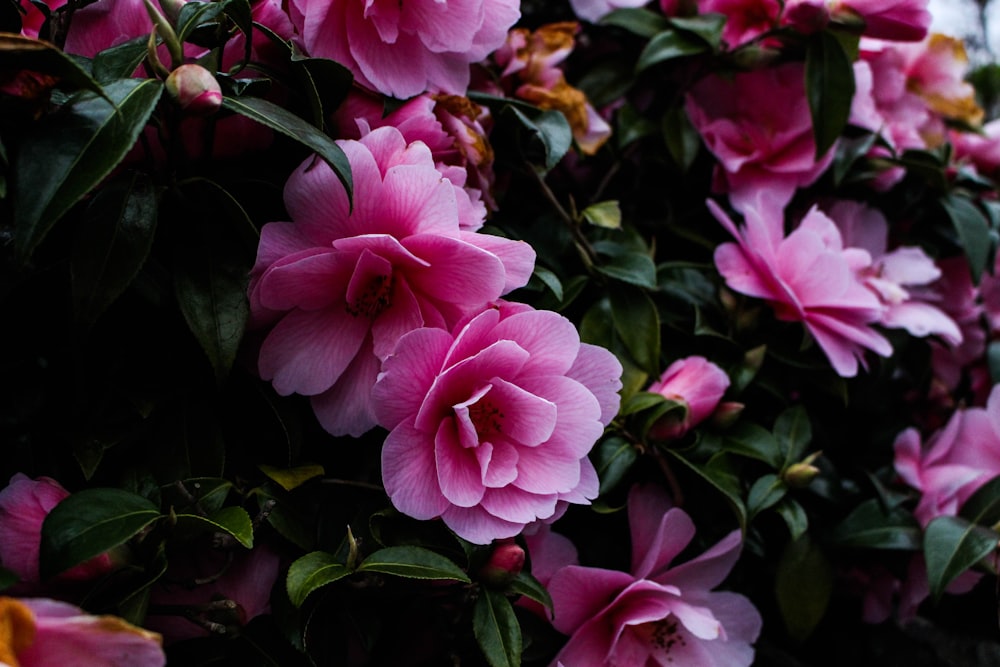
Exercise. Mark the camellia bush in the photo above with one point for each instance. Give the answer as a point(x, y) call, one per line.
point(485, 332)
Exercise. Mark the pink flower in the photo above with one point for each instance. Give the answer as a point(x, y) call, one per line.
point(899, 20)
point(491, 425)
point(24, 504)
point(32, 18)
point(980, 149)
point(595, 10)
point(758, 126)
point(37, 632)
point(657, 614)
point(806, 277)
point(959, 298)
point(341, 285)
point(241, 593)
point(404, 49)
point(899, 277)
point(745, 19)
point(450, 125)
point(695, 382)
point(954, 462)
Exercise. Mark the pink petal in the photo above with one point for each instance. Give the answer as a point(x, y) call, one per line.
point(408, 374)
point(550, 339)
point(346, 408)
point(409, 473)
point(600, 372)
point(514, 505)
point(458, 473)
point(518, 257)
point(478, 526)
point(581, 593)
point(709, 569)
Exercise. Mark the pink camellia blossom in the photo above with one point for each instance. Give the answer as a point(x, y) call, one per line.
point(954, 462)
point(38, 632)
point(24, 504)
point(960, 299)
point(404, 49)
point(758, 126)
point(696, 383)
point(658, 614)
point(452, 128)
point(806, 277)
point(899, 277)
point(490, 426)
point(340, 285)
point(979, 149)
point(745, 19)
point(898, 20)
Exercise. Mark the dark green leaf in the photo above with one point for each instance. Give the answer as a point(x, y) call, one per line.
point(67, 153)
point(549, 130)
point(749, 439)
point(283, 121)
point(719, 473)
point(637, 323)
point(232, 520)
point(210, 284)
point(111, 246)
point(88, 523)
point(613, 458)
point(312, 571)
point(849, 151)
point(23, 53)
point(119, 62)
point(202, 495)
point(644, 400)
point(794, 515)
point(682, 139)
point(414, 563)
point(497, 630)
point(765, 492)
point(241, 14)
point(793, 431)
point(628, 266)
point(194, 14)
point(707, 27)
point(668, 45)
point(526, 585)
point(7, 578)
point(641, 22)
point(951, 546)
point(803, 585)
point(983, 506)
point(973, 232)
point(829, 88)
point(550, 280)
point(325, 84)
point(870, 526)
point(632, 125)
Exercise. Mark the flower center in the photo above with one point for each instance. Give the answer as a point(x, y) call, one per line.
point(663, 635)
point(372, 299)
point(486, 417)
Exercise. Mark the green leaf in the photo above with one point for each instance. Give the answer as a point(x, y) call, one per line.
point(414, 563)
point(794, 515)
point(870, 526)
point(829, 88)
point(993, 361)
point(88, 523)
point(497, 630)
point(525, 584)
point(232, 520)
point(707, 27)
point(210, 284)
point(719, 473)
point(793, 431)
point(951, 546)
point(613, 458)
point(312, 571)
point(754, 441)
point(766, 492)
point(67, 153)
point(111, 245)
point(277, 118)
point(983, 506)
point(241, 14)
point(195, 14)
point(119, 62)
point(802, 585)
point(325, 84)
point(7, 578)
point(637, 323)
point(641, 22)
point(635, 268)
point(24, 53)
point(973, 232)
point(204, 495)
point(607, 214)
point(549, 135)
point(668, 45)
point(550, 280)
point(292, 478)
point(682, 139)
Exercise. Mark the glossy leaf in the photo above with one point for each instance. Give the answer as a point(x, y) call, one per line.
point(88, 523)
point(550, 280)
point(719, 473)
point(194, 14)
point(707, 26)
point(870, 526)
point(794, 515)
point(803, 585)
point(641, 22)
point(548, 134)
point(281, 120)
point(952, 545)
point(754, 441)
point(526, 585)
point(793, 431)
point(292, 478)
point(766, 492)
point(983, 506)
point(829, 88)
point(668, 45)
point(637, 323)
point(119, 62)
point(111, 246)
point(496, 629)
point(682, 139)
point(66, 154)
point(613, 458)
point(310, 572)
point(973, 232)
point(414, 563)
point(635, 268)
point(232, 520)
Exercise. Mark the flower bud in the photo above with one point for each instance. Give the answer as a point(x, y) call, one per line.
point(505, 563)
point(800, 475)
point(726, 414)
point(195, 89)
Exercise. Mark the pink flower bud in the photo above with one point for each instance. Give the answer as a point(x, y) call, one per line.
point(695, 382)
point(195, 89)
point(505, 563)
point(726, 414)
